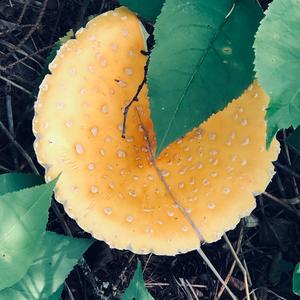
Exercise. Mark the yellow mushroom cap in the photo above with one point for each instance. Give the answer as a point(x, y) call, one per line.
point(109, 184)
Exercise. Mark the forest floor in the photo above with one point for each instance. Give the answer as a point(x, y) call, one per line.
point(268, 241)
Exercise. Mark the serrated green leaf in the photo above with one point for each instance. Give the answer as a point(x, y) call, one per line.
point(57, 294)
point(56, 257)
point(296, 280)
point(23, 215)
point(203, 58)
point(293, 140)
point(13, 182)
point(277, 59)
point(137, 289)
point(149, 10)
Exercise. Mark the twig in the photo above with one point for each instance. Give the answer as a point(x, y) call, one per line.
point(16, 85)
point(249, 278)
point(183, 210)
point(152, 284)
point(32, 30)
point(134, 99)
point(2, 168)
point(210, 265)
point(124, 271)
point(69, 291)
point(192, 289)
point(28, 56)
point(282, 203)
point(147, 262)
point(286, 169)
point(238, 248)
point(182, 284)
point(20, 148)
point(239, 263)
point(80, 17)
point(289, 163)
point(280, 186)
point(23, 12)
point(10, 121)
point(268, 291)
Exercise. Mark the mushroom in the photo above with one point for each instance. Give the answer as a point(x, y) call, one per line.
point(113, 187)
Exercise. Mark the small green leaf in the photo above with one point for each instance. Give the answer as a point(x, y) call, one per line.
point(277, 60)
point(13, 182)
point(57, 294)
point(202, 59)
point(137, 289)
point(293, 140)
point(23, 215)
point(56, 257)
point(146, 9)
point(69, 35)
point(296, 280)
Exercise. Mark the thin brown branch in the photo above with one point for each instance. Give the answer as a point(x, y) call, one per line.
point(19, 148)
point(249, 278)
point(16, 85)
point(283, 204)
point(162, 284)
point(134, 99)
point(238, 248)
point(287, 169)
point(23, 12)
point(32, 30)
point(239, 263)
point(28, 56)
point(290, 163)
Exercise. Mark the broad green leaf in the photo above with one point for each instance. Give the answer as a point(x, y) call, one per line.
point(277, 60)
point(23, 215)
point(203, 58)
point(296, 280)
point(146, 9)
point(57, 294)
point(56, 257)
point(137, 289)
point(13, 182)
point(293, 140)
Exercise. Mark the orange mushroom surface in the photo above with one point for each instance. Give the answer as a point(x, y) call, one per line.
point(112, 186)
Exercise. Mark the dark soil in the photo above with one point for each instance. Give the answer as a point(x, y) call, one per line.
point(270, 247)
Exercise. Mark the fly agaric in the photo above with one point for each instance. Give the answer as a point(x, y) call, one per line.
point(112, 186)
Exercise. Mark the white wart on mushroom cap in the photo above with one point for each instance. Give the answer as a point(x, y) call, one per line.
point(109, 184)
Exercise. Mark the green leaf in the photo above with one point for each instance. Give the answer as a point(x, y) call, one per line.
point(57, 256)
point(203, 58)
point(293, 140)
point(23, 215)
point(296, 280)
point(57, 294)
point(13, 182)
point(137, 289)
point(146, 9)
point(277, 49)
